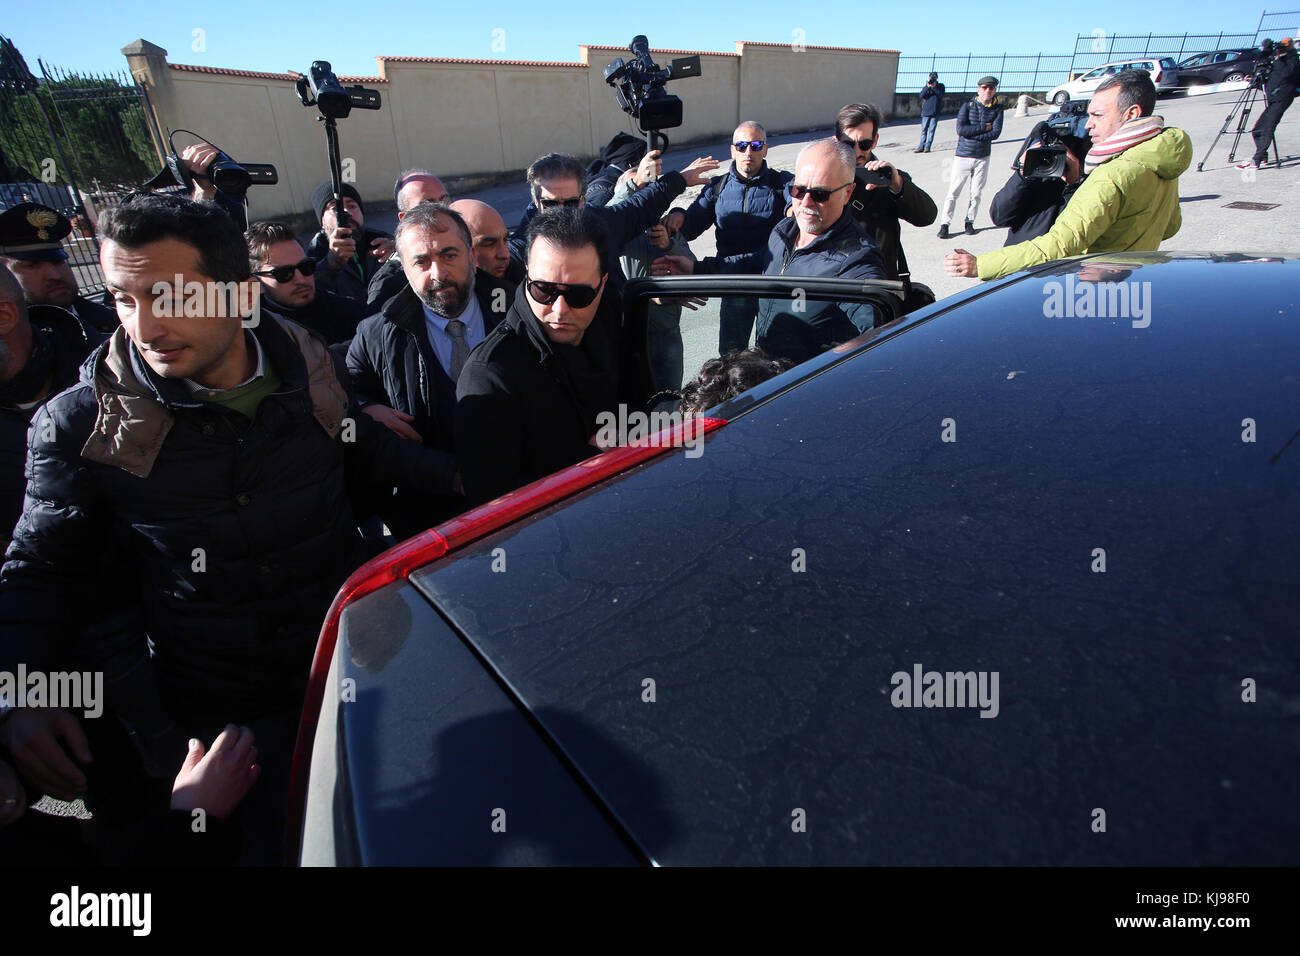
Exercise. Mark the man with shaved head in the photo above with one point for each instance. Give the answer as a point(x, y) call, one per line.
point(821, 239)
point(491, 249)
point(744, 205)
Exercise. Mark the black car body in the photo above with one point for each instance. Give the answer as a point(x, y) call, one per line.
point(652, 658)
point(1219, 66)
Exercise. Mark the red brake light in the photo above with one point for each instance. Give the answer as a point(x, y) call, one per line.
point(398, 562)
point(1156, 78)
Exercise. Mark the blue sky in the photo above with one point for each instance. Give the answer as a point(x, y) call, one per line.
point(275, 36)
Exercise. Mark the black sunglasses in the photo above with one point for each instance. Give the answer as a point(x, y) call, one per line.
point(756, 145)
point(285, 273)
point(556, 203)
point(578, 296)
point(862, 144)
point(818, 195)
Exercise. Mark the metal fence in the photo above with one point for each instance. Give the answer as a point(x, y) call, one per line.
point(1038, 72)
point(1016, 73)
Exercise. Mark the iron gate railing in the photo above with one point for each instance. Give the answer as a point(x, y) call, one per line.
point(76, 142)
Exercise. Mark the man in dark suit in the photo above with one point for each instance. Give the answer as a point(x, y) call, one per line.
point(405, 360)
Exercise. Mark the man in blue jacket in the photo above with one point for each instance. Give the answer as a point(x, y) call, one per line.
point(744, 204)
point(979, 123)
point(931, 101)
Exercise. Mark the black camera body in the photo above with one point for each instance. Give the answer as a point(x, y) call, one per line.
point(322, 89)
point(639, 86)
point(1065, 128)
point(227, 176)
point(883, 176)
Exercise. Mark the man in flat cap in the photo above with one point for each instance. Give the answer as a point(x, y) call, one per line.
point(31, 247)
point(979, 123)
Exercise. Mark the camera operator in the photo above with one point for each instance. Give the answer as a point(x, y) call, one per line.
point(1027, 207)
point(1129, 198)
point(1277, 71)
point(351, 256)
point(931, 103)
point(878, 207)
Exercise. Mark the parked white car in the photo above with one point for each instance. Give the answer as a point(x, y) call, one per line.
point(1163, 70)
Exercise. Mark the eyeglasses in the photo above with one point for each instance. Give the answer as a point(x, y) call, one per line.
point(578, 296)
point(556, 203)
point(756, 145)
point(862, 144)
point(818, 195)
point(285, 273)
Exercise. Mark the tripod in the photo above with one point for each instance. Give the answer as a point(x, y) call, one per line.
point(1242, 107)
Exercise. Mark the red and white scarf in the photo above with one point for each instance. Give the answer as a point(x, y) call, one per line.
point(1137, 130)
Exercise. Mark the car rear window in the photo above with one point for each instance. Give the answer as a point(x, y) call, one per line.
point(1168, 64)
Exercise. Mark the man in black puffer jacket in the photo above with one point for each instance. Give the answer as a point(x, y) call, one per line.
point(979, 123)
point(41, 347)
point(187, 521)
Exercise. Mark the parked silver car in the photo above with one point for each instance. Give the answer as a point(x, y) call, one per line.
point(1163, 70)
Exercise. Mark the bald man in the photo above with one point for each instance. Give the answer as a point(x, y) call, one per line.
point(491, 250)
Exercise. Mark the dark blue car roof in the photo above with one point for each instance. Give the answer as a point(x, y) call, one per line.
point(1157, 696)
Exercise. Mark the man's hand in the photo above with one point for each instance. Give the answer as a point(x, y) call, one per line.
point(625, 176)
point(215, 782)
point(672, 266)
point(658, 236)
point(197, 158)
point(674, 221)
point(1020, 162)
point(395, 421)
point(961, 263)
point(895, 183)
point(686, 302)
point(13, 799)
point(649, 169)
point(342, 248)
point(40, 741)
point(1073, 168)
point(694, 173)
point(382, 248)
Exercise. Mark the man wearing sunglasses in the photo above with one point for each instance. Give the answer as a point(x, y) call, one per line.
point(528, 400)
point(879, 207)
point(744, 205)
point(288, 278)
point(560, 181)
point(821, 238)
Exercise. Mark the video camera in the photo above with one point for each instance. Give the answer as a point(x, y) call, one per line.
point(321, 88)
point(639, 86)
point(1067, 128)
point(1268, 53)
point(230, 179)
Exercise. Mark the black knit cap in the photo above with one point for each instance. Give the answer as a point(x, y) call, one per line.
point(323, 194)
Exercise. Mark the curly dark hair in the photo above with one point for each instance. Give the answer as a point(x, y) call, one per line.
point(729, 375)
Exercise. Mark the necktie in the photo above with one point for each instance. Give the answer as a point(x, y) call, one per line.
point(459, 350)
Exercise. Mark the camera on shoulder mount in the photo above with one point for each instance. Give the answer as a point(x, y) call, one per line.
point(639, 87)
point(1068, 127)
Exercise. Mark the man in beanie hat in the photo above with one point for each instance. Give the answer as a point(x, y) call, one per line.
point(931, 102)
point(979, 123)
point(349, 256)
point(31, 247)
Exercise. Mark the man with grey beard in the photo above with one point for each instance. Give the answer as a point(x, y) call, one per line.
point(405, 360)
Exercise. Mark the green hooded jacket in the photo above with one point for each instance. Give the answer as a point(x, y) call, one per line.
point(1127, 204)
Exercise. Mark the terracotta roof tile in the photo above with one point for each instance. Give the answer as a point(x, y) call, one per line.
point(445, 59)
point(845, 49)
point(253, 74)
